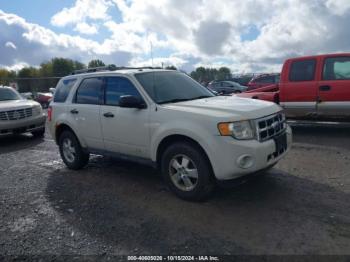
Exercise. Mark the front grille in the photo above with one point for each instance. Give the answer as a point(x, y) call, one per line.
point(16, 114)
point(270, 126)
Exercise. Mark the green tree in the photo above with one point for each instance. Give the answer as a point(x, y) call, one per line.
point(62, 66)
point(6, 76)
point(78, 65)
point(224, 73)
point(95, 63)
point(27, 84)
point(171, 67)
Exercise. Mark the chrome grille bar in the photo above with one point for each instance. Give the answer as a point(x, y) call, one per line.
point(270, 126)
point(16, 114)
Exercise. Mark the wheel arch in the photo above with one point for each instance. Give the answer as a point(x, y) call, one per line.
point(175, 138)
point(65, 127)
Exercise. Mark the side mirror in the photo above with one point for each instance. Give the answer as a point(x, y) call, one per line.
point(131, 102)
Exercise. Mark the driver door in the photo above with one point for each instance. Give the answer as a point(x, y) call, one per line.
point(125, 130)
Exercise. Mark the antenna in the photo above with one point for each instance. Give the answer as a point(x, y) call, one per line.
point(151, 52)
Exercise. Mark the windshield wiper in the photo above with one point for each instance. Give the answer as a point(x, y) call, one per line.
point(183, 99)
point(200, 97)
point(174, 100)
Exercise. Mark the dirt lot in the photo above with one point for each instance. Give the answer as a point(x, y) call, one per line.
point(113, 207)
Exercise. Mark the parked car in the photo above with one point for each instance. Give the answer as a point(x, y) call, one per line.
point(18, 115)
point(226, 87)
point(168, 120)
point(44, 99)
point(52, 90)
point(27, 95)
point(263, 80)
point(311, 87)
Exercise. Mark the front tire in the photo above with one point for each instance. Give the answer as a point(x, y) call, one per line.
point(187, 172)
point(71, 151)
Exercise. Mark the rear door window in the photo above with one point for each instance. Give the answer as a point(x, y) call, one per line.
point(336, 68)
point(117, 87)
point(89, 91)
point(62, 90)
point(302, 70)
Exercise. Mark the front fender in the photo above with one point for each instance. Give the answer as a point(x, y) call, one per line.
point(193, 131)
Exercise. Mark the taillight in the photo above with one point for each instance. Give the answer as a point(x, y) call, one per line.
point(49, 113)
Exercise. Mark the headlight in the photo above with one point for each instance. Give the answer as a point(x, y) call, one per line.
point(240, 130)
point(37, 109)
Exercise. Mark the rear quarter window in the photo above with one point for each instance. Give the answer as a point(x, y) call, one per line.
point(62, 90)
point(303, 70)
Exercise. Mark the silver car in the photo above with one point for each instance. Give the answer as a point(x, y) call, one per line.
point(226, 87)
point(18, 115)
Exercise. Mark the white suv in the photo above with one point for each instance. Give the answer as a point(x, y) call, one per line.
point(166, 119)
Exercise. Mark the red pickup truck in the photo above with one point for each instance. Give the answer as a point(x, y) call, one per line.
point(313, 86)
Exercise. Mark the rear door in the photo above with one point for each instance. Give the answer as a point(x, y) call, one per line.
point(84, 112)
point(334, 87)
point(299, 88)
point(125, 130)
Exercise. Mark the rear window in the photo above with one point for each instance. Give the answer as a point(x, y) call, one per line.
point(62, 90)
point(302, 70)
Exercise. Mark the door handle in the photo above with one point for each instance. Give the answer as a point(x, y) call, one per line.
point(109, 114)
point(74, 111)
point(325, 88)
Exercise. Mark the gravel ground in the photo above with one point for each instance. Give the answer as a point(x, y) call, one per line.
point(113, 207)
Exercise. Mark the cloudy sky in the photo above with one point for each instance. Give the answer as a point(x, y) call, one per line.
point(247, 36)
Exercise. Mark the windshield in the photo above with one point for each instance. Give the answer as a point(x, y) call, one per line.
point(8, 94)
point(171, 87)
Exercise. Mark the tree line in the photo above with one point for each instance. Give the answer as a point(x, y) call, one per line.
point(40, 79)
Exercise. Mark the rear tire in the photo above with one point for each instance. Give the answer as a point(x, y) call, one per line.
point(71, 151)
point(187, 171)
point(39, 133)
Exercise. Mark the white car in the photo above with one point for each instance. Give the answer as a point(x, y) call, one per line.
point(166, 119)
point(18, 115)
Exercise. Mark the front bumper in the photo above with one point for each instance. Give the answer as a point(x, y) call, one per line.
point(23, 125)
point(229, 152)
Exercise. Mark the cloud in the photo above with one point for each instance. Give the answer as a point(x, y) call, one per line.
point(36, 44)
point(184, 33)
point(86, 29)
point(81, 11)
point(217, 34)
point(10, 45)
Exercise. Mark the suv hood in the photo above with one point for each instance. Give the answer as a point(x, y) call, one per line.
point(228, 107)
point(16, 104)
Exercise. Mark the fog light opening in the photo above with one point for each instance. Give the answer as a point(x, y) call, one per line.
point(245, 161)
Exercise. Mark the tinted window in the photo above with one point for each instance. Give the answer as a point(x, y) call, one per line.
point(277, 78)
point(337, 68)
point(226, 84)
point(117, 87)
point(167, 87)
point(8, 94)
point(266, 80)
point(302, 70)
point(62, 90)
point(89, 91)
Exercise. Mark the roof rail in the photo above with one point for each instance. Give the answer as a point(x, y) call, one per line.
point(110, 68)
point(95, 69)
